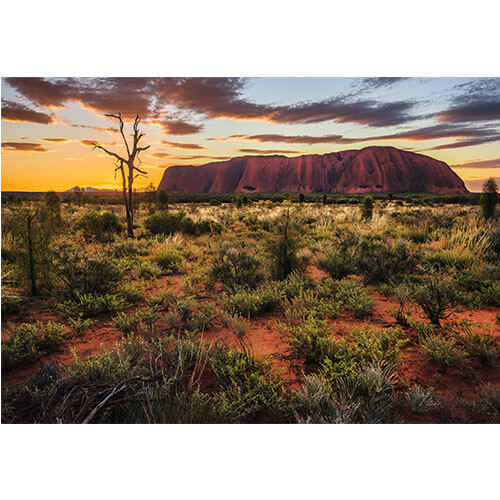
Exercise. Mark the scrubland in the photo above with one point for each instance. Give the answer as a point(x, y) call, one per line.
point(250, 312)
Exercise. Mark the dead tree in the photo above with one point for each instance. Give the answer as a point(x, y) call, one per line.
point(129, 175)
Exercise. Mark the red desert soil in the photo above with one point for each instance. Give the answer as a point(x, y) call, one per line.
point(264, 340)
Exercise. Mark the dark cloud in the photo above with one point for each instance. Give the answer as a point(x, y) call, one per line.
point(367, 112)
point(268, 151)
point(17, 112)
point(467, 142)
point(182, 145)
point(295, 139)
point(440, 131)
point(208, 97)
point(470, 135)
point(495, 163)
point(162, 155)
point(55, 140)
point(476, 110)
point(179, 127)
point(24, 146)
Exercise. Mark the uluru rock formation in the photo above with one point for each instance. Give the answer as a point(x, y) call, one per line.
point(372, 169)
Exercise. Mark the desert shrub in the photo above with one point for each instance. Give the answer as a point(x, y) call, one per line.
point(381, 261)
point(480, 346)
point(164, 299)
point(248, 388)
point(30, 341)
point(238, 325)
point(169, 259)
point(126, 323)
point(11, 304)
point(338, 263)
point(308, 303)
point(365, 397)
point(130, 291)
point(353, 296)
point(28, 234)
point(489, 198)
point(147, 269)
point(444, 351)
point(235, 267)
point(90, 305)
point(437, 298)
point(80, 325)
point(445, 260)
point(82, 270)
point(185, 306)
point(251, 303)
point(98, 225)
point(125, 248)
point(165, 222)
point(203, 318)
point(283, 250)
point(422, 401)
point(366, 208)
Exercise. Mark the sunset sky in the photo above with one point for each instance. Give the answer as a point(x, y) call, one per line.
point(48, 124)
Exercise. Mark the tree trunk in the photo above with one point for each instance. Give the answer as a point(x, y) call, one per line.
point(31, 260)
point(130, 215)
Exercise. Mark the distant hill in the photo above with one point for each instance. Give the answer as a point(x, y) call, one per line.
point(373, 169)
point(88, 189)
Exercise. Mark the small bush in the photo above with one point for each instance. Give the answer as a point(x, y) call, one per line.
point(480, 346)
point(89, 305)
point(422, 401)
point(444, 351)
point(80, 325)
point(436, 297)
point(169, 259)
point(28, 342)
point(127, 323)
point(165, 222)
point(354, 297)
point(235, 267)
point(11, 304)
point(98, 225)
point(337, 263)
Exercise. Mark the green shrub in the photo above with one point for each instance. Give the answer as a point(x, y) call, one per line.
point(365, 397)
point(337, 263)
point(80, 325)
point(169, 259)
point(130, 291)
point(251, 303)
point(235, 267)
point(98, 225)
point(436, 297)
point(353, 296)
point(366, 208)
point(203, 319)
point(127, 323)
point(165, 222)
point(28, 342)
point(445, 260)
point(89, 305)
point(81, 270)
point(248, 388)
point(147, 269)
point(11, 304)
point(480, 346)
point(382, 262)
point(444, 351)
point(422, 401)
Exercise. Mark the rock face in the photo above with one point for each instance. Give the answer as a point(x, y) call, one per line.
point(372, 169)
